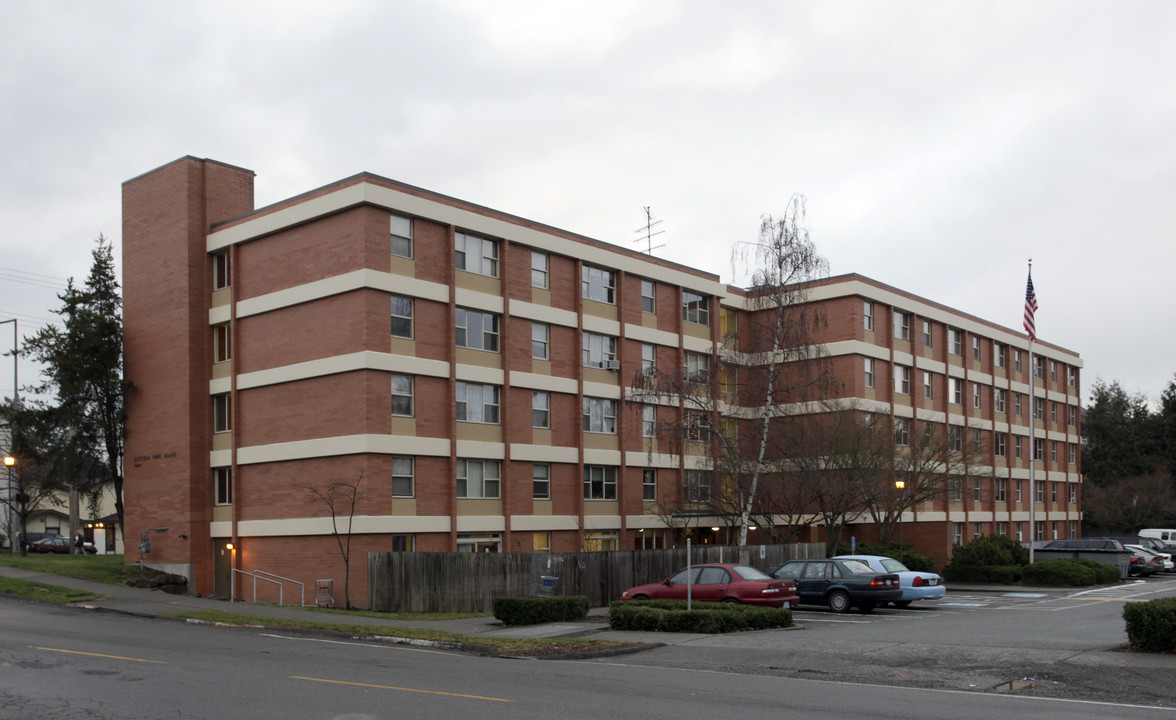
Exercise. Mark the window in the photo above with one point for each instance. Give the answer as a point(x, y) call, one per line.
point(222, 479)
point(222, 413)
point(977, 391)
point(977, 493)
point(955, 488)
point(600, 415)
point(695, 308)
point(976, 348)
point(598, 284)
point(1002, 529)
point(540, 409)
point(220, 343)
point(999, 398)
point(648, 359)
point(401, 231)
point(1038, 408)
point(1001, 484)
point(1071, 376)
point(977, 441)
point(1017, 360)
point(221, 275)
point(649, 485)
point(902, 325)
point(541, 481)
point(648, 420)
point(1071, 453)
point(538, 269)
point(696, 427)
point(1073, 499)
point(401, 316)
point(1071, 415)
point(402, 394)
point(1053, 451)
point(927, 333)
point(696, 486)
point(902, 431)
point(1053, 492)
point(697, 368)
point(478, 478)
point(998, 354)
point(869, 372)
point(1017, 446)
point(1038, 449)
point(1053, 371)
point(955, 438)
point(599, 351)
point(957, 533)
point(1019, 485)
point(957, 391)
point(477, 330)
point(1053, 412)
point(1000, 441)
point(1039, 367)
point(600, 482)
point(648, 299)
point(956, 338)
point(476, 255)
point(729, 379)
point(928, 384)
point(1039, 492)
point(1018, 397)
point(540, 333)
point(477, 403)
point(541, 542)
point(402, 476)
point(729, 325)
point(868, 315)
point(902, 380)
point(977, 529)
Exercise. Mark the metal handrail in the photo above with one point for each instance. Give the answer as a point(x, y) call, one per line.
point(301, 586)
point(233, 586)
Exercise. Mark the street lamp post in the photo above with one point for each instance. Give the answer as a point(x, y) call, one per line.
point(900, 485)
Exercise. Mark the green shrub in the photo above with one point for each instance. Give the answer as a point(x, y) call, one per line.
point(997, 574)
point(1151, 625)
point(534, 610)
point(709, 618)
point(1103, 574)
point(990, 550)
point(1059, 571)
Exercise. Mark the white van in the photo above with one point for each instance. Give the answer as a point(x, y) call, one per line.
point(1168, 536)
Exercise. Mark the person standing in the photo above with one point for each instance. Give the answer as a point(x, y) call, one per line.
point(79, 544)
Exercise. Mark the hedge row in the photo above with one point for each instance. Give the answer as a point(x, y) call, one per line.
point(999, 574)
point(1074, 572)
point(1151, 625)
point(529, 610)
point(703, 617)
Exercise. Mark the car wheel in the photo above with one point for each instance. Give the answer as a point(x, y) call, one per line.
point(902, 603)
point(838, 601)
point(731, 600)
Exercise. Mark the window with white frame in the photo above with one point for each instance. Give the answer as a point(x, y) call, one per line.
point(540, 409)
point(540, 481)
point(598, 284)
point(648, 359)
point(648, 296)
point(1000, 441)
point(1073, 494)
point(540, 339)
point(402, 476)
point(222, 479)
point(977, 392)
point(902, 431)
point(477, 330)
point(1053, 412)
point(1038, 449)
point(599, 351)
point(998, 354)
point(1071, 414)
point(1017, 360)
point(977, 529)
point(600, 482)
point(976, 348)
point(696, 486)
point(928, 384)
point(478, 478)
point(539, 269)
point(478, 403)
point(220, 343)
point(957, 391)
point(955, 438)
point(999, 396)
point(1002, 529)
point(868, 315)
point(1019, 486)
point(696, 368)
point(1071, 375)
point(956, 341)
point(1018, 398)
point(401, 316)
point(1038, 408)
point(902, 325)
point(869, 362)
point(1053, 371)
point(977, 491)
point(955, 488)
point(957, 533)
point(402, 394)
point(1039, 492)
point(902, 380)
point(927, 333)
point(695, 308)
point(476, 255)
point(1053, 492)
point(1071, 453)
point(648, 421)
point(1001, 484)
point(221, 270)
point(1017, 442)
point(649, 484)
point(1038, 367)
point(400, 229)
point(222, 413)
point(977, 441)
point(1053, 451)
point(600, 415)
point(696, 427)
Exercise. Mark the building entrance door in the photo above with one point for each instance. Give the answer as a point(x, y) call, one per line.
point(222, 568)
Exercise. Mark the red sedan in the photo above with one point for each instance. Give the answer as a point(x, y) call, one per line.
point(720, 582)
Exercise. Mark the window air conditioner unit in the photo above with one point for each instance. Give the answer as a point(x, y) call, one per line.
point(612, 365)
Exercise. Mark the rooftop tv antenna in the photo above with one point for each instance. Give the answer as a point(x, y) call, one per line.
point(649, 232)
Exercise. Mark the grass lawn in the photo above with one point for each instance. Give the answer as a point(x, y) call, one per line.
point(96, 568)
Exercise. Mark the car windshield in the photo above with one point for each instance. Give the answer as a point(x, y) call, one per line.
point(893, 565)
point(749, 573)
point(857, 567)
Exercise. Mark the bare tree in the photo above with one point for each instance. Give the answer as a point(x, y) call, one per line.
point(340, 498)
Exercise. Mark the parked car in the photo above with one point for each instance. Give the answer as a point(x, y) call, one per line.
point(840, 584)
point(1159, 546)
point(916, 585)
point(1152, 562)
point(60, 545)
point(720, 582)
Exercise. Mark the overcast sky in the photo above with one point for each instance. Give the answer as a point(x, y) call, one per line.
point(940, 145)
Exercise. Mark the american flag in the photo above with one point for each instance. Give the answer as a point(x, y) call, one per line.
point(1030, 309)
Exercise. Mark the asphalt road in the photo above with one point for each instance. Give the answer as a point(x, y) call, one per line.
point(66, 663)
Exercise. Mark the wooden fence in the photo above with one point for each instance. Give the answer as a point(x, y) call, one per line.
point(469, 582)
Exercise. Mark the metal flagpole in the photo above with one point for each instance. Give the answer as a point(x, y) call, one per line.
point(1031, 330)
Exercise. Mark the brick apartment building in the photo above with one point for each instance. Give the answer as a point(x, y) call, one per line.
point(469, 369)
